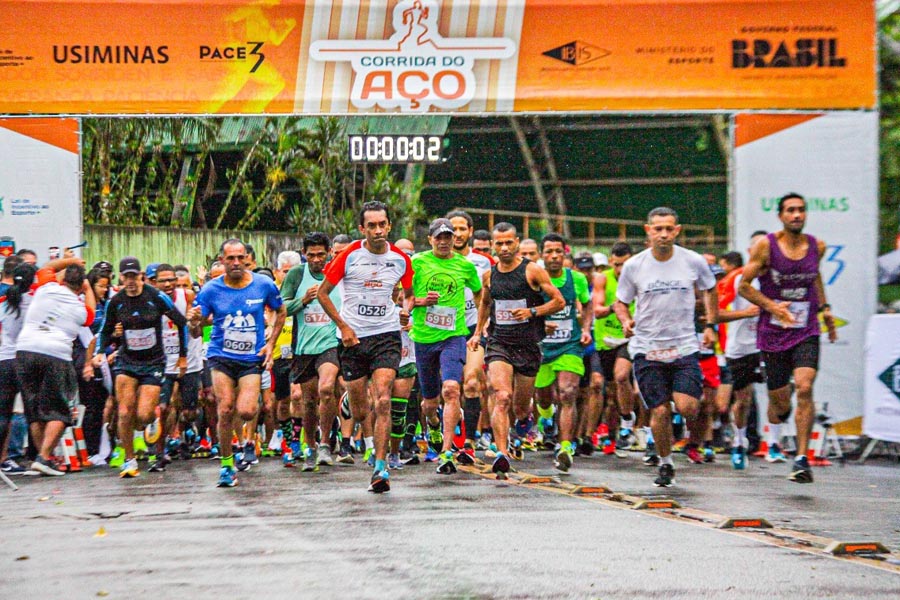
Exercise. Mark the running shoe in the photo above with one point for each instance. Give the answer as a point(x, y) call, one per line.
point(159, 465)
point(680, 445)
point(491, 452)
point(585, 447)
point(515, 450)
point(227, 477)
point(563, 461)
point(600, 435)
point(381, 482)
point(394, 461)
point(344, 456)
point(484, 441)
point(409, 458)
point(369, 457)
point(446, 465)
point(709, 455)
point(140, 446)
point(214, 451)
point(130, 469)
point(801, 473)
point(172, 446)
point(466, 456)
point(626, 438)
point(117, 458)
point(431, 455)
point(240, 464)
point(666, 476)
point(250, 453)
point(11, 467)
point(738, 458)
point(46, 467)
point(435, 437)
point(775, 454)
point(651, 459)
point(323, 455)
point(694, 456)
point(97, 460)
point(609, 446)
point(501, 464)
point(309, 461)
point(287, 459)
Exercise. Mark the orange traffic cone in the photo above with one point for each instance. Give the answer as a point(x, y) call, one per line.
point(763, 443)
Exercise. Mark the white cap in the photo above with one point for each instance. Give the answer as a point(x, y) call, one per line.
point(600, 259)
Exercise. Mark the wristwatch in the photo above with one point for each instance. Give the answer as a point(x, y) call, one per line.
point(533, 311)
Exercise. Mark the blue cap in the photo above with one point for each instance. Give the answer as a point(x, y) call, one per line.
point(150, 271)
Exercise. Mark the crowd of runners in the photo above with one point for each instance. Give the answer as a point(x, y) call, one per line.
point(475, 351)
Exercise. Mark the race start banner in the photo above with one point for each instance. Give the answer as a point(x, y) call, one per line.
point(416, 56)
point(40, 185)
point(828, 159)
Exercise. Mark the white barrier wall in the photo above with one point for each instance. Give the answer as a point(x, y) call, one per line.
point(832, 160)
point(40, 183)
point(881, 420)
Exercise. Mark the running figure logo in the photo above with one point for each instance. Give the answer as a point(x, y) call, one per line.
point(416, 68)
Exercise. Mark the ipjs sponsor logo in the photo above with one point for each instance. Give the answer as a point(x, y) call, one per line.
point(416, 68)
point(813, 204)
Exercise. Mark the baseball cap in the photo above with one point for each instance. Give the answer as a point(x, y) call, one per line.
point(600, 260)
point(439, 226)
point(584, 260)
point(717, 270)
point(103, 266)
point(129, 264)
point(151, 269)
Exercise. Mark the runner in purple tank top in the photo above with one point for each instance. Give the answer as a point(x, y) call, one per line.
point(790, 297)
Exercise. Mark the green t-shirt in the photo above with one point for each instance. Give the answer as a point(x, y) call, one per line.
point(449, 277)
point(581, 285)
point(566, 337)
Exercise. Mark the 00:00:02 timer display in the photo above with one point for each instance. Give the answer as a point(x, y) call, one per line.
point(396, 148)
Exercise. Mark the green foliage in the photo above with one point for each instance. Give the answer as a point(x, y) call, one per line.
point(139, 172)
point(889, 94)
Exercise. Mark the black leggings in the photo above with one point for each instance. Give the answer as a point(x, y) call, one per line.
point(93, 396)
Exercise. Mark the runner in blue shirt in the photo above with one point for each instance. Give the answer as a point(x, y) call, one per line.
point(238, 350)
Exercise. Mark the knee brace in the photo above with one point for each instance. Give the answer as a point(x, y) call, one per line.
point(398, 417)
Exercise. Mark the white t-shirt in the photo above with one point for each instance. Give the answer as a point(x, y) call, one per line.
point(369, 280)
point(171, 340)
point(55, 317)
point(482, 263)
point(664, 301)
point(11, 325)
point(741, 340)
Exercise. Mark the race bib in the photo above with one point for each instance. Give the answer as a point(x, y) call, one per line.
point(800, 312)
point(470, 305)
point(441, 317)
point(503, 311)
point(369, 310)
point(140, 339)
point(239, 342)
point(315, 316)
point(562, 333)
point(665, 355)
point(287, 351)
point(171, 345)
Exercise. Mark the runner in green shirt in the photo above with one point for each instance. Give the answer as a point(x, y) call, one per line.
point(439, 332)
point(568, 332)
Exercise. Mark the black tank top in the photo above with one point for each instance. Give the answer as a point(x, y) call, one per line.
point(508, 291)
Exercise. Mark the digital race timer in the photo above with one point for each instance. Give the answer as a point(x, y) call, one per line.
point(397, 149)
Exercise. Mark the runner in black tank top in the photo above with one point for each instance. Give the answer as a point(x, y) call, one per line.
point(512, 299)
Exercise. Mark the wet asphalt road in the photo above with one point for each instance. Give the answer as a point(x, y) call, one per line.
point(282, 533)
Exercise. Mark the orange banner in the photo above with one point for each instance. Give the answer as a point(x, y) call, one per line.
point(357, 56)
point(697, 54)
point(164, 56)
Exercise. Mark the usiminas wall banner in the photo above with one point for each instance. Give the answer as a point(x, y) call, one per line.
point(350, 56)
point(40, 185)
point(830, 159)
